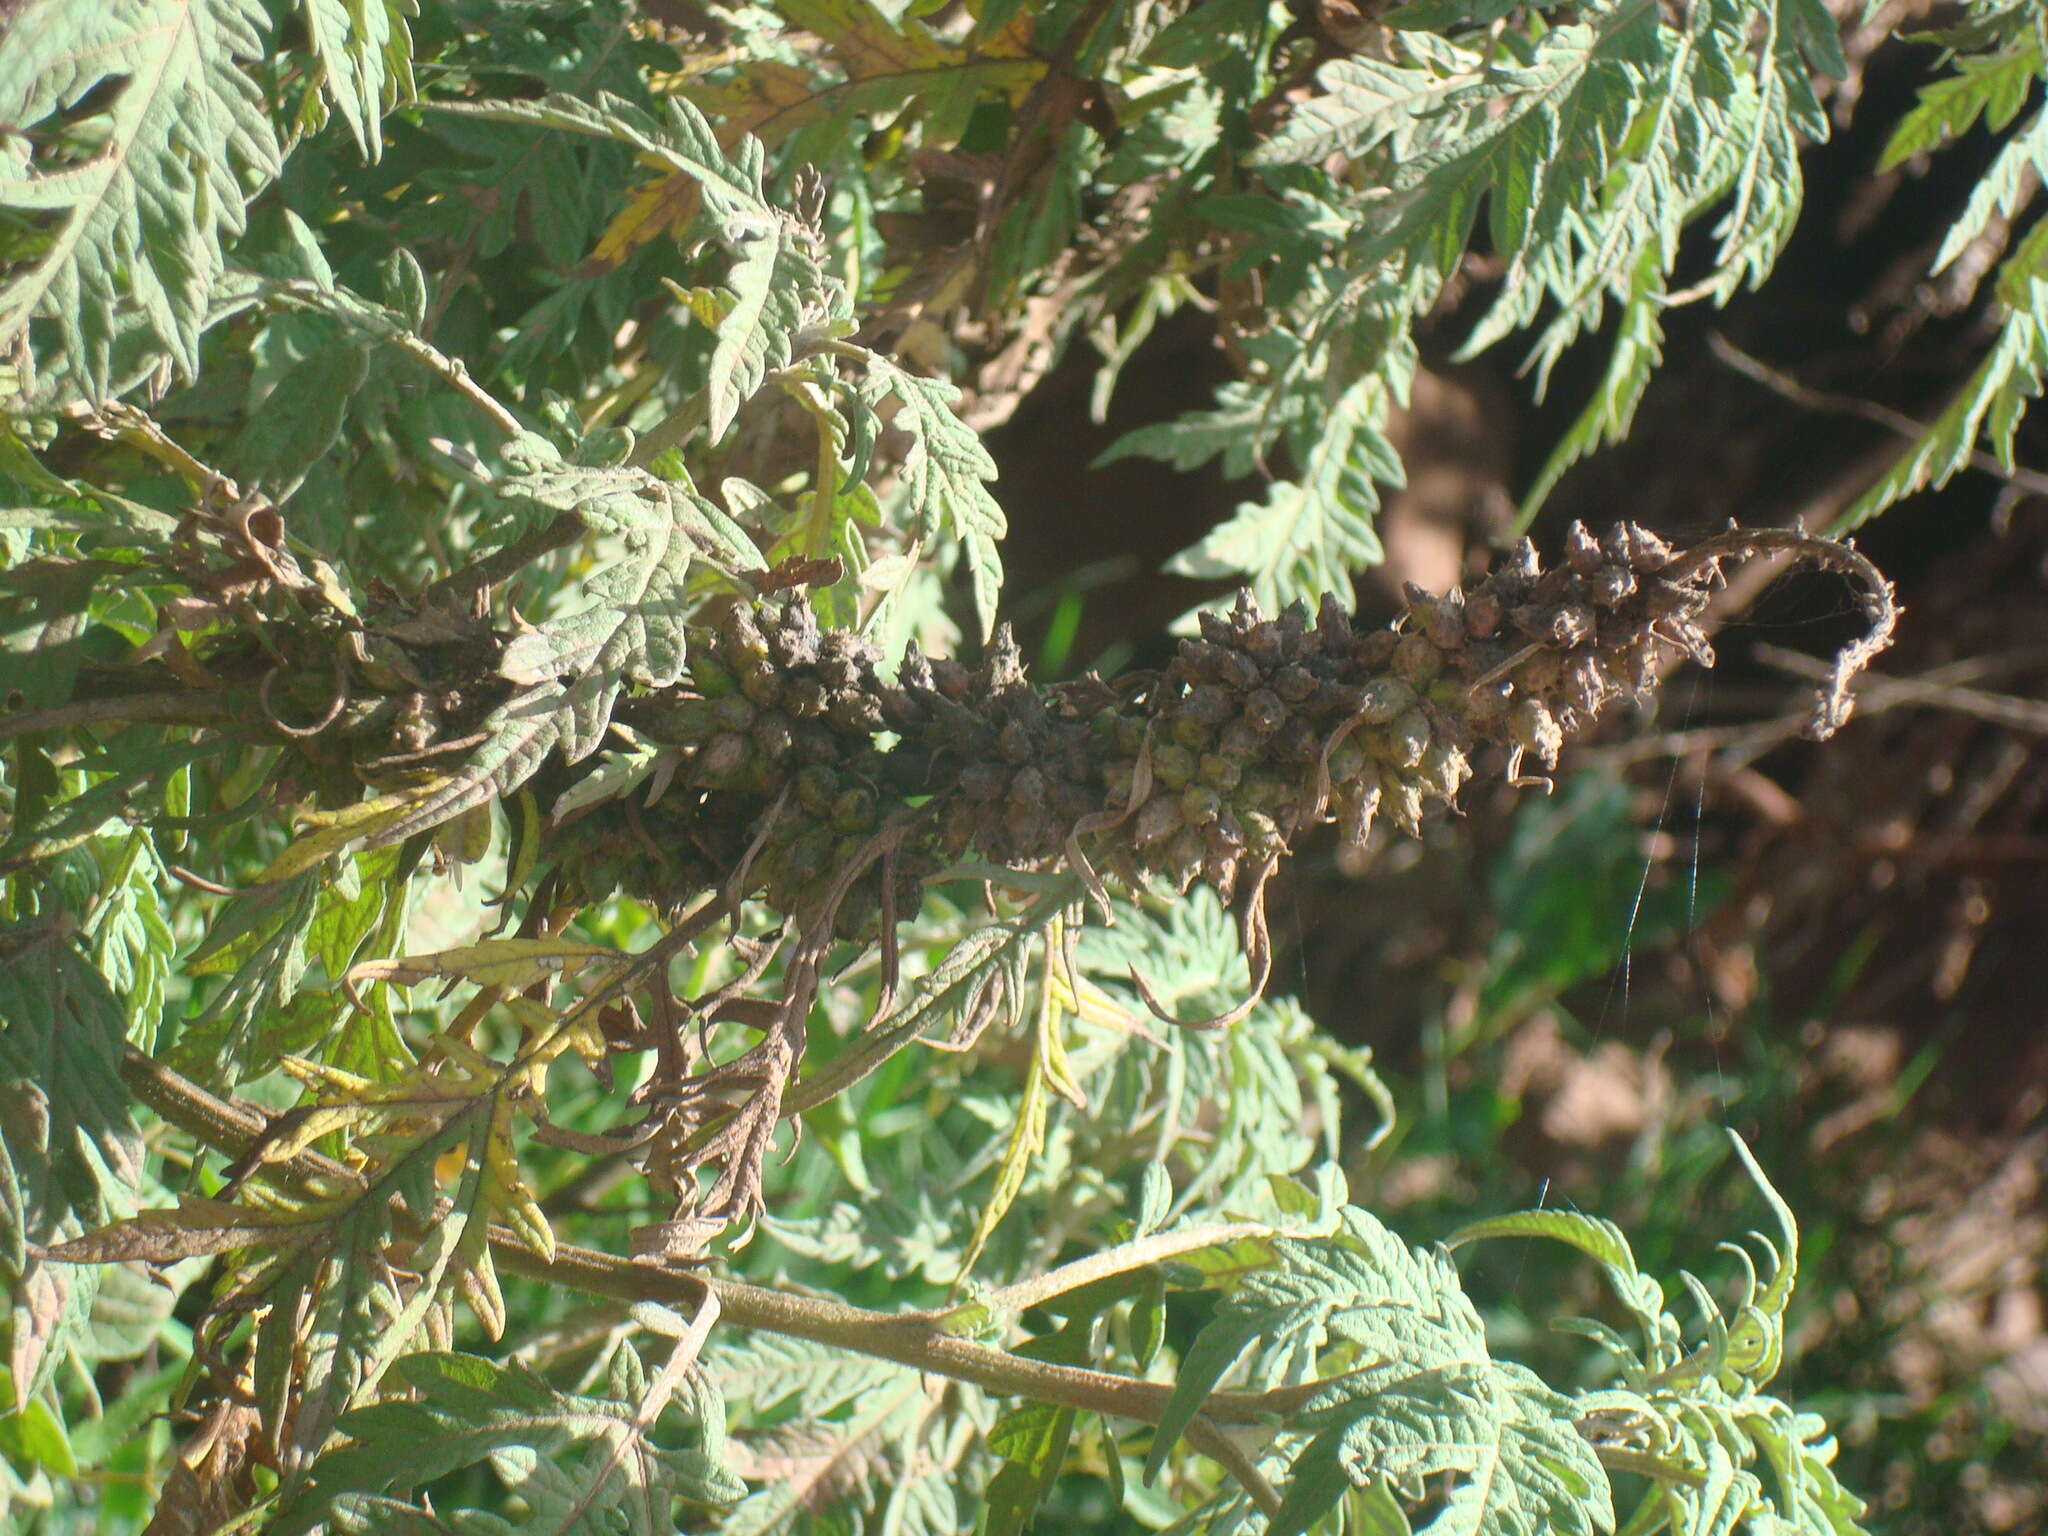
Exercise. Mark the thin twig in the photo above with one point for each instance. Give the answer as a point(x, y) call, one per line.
point(302, 732)
point(1937, 689)
point(184, 876)
point(907, 1338)
point(2027, 715)
point(452, 371)
point(1789, 388)
point(1880, 605)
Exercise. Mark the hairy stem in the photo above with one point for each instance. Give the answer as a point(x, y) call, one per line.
point(913, 1339)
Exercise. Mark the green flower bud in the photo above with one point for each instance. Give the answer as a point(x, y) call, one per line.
point(1262, 790)
point(1407, 739)
point(712, 677)
point(1381, 700)
point(1116, 782)
point(817, 788)
point(1261, 833)
point(854, 810)
point(742, 637)
point(1348, 761)
point(762, 683)
point(1416, 659)
point(1219, 772)
point(723, 756)
point(1173, 766)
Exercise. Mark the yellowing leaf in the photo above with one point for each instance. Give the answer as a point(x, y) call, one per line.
point(336, 832)
point(549, 1033)
point(663, 206)
point(493, 963)
point(506, 1188)
point(1027, 1140)
point(768, 99)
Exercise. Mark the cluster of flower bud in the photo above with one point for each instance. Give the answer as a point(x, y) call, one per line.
point(789, 751)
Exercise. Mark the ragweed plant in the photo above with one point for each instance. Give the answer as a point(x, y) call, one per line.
point(538, 995)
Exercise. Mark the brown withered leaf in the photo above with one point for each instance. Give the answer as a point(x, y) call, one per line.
point(194, 1228)
point(212, 1481)
point(887, 64)
point(798, 572)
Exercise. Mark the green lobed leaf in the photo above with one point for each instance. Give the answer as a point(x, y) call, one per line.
point(945, 470)
point(773, 271)
point(1990, 403)
point(71, 1157)
point(140, 224)
point(630, 629)
point(1392, 1311)
point(1308, 537)
point(1520, 1463)
point(463, 1409)
point(364, 50)
point(1993, 87)
point(1242, 425)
